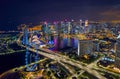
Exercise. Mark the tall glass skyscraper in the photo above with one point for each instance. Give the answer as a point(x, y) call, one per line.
point(85, 47)
point(117, 58)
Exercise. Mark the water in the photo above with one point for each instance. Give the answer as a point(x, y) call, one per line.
point(10, 61)
point(61, 43)
point(16, 59)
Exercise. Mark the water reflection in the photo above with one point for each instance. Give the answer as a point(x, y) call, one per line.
point(64, 42)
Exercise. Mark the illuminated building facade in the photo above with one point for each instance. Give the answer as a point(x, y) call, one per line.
point(85, 47)
point(69, 27)
point(117, 58)
point(86, 26)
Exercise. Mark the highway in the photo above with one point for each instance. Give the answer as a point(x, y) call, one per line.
point(92, 65)
point(76, 63)
point(58, 57)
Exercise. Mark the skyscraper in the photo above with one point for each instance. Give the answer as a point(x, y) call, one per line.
point(117, 58)
point(85, 47)
point(86, 26)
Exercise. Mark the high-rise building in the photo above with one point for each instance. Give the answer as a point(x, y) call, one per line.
point(68, 24)
point(96, 46)
point(86, 26)
point(117, 58)
point(85, 47)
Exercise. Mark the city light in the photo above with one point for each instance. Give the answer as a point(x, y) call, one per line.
point(45, 39)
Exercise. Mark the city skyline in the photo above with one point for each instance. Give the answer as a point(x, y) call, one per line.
point(64, 50)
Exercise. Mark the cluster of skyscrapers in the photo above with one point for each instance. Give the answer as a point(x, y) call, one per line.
point(85, 46)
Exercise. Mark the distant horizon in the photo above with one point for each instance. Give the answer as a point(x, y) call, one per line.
point(34, 24)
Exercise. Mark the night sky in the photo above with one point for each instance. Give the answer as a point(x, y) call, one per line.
point(16, 12)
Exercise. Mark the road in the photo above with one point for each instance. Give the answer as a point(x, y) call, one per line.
point(58, 57)
point(77, 63)
point(92, 65)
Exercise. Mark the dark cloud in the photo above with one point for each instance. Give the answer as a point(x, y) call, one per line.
point(112, 13)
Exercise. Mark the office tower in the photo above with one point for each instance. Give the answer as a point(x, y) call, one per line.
point(86, 26)
point(85, 47)
point(117, 58)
